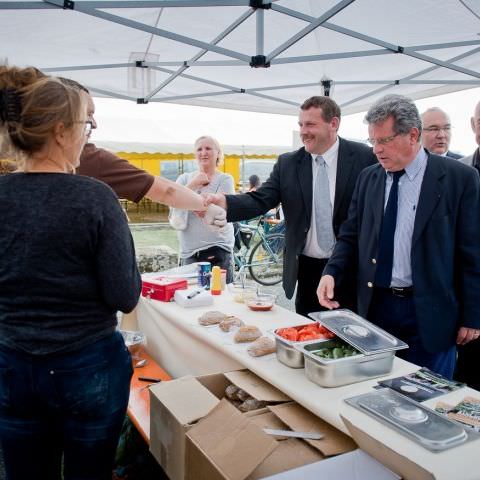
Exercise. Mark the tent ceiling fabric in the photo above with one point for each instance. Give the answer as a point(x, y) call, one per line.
point(199, 52)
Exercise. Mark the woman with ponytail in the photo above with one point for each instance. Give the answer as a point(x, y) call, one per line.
point(68, 266)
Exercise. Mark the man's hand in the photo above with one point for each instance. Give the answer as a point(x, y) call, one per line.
point(466, 335)
point(215, 198)
point(325, 292)
point(199, 180)
point(215, 217)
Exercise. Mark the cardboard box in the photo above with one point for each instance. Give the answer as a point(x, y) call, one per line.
point(399, 464)
point(229, 445)
point(178, 404)
point(352, 465)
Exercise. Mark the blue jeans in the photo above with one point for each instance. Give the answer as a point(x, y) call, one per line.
point(67, 405)
point(397, 316)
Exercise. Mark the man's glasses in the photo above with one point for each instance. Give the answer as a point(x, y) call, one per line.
point(381, 141)
point(437, 130)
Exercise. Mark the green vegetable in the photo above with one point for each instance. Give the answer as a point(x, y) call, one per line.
point(336, 349)
point(338, 352)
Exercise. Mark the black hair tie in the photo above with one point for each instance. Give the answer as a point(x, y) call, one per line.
point(10, 105)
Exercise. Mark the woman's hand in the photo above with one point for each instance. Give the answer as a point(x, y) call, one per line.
point(199, 180)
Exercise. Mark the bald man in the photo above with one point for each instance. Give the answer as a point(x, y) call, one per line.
point(437, 132)
point(474, 159)
point(469, 355)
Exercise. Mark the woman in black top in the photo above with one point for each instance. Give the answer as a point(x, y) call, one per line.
point(68, 265)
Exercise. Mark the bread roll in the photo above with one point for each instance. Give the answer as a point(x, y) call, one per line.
point(247, 333)
point(231, 392)
point(262, 346)
point(251, 404)
point(211, 318)
point(229, 323)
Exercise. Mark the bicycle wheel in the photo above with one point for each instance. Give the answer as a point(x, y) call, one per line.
point(266, 261)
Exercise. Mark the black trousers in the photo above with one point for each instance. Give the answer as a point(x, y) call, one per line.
point(468, 364)
point(217, 256)
point(309, 273)
point(397, 316)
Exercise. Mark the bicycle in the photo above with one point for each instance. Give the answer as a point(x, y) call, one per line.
point(262, 258)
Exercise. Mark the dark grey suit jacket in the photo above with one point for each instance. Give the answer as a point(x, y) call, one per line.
point(456, 156)
point(290, 184)
point(445, 255)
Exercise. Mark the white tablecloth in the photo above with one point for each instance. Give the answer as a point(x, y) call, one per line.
point(181, 346)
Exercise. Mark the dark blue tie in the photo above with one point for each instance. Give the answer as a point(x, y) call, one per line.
point(383, 276)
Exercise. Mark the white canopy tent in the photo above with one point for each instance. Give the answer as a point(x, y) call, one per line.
point(249, 55)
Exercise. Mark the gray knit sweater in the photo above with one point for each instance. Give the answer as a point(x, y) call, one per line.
point(68, 262)
point(197, 236)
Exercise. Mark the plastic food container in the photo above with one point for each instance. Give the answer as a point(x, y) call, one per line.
point(376, 350)
point(259, 302)
point(286, 353)
point(239, 290)
point(134, 341)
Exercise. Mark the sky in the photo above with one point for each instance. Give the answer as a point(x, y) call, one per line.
point(123, 121)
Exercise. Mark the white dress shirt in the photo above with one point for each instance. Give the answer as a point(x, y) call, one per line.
point(312, 248)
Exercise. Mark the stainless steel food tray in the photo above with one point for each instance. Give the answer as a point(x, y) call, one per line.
point(355, 330)
point(342, 371)
point(286, 352)
point(414, 420)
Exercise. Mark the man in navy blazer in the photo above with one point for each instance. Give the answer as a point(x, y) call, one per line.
point(418, 275)
point(291, 183)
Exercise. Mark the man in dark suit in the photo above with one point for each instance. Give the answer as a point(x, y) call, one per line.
point(437, 132)
point(469, 355)
point(321, 174)
point(413, 230)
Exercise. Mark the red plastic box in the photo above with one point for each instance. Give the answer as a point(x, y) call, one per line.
point(162, 288)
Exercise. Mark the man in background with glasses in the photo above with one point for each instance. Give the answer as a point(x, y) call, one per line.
point(437, 132)
point(413, 231)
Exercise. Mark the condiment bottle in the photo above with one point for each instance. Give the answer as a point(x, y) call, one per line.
point(216, 282)
point(224, 278)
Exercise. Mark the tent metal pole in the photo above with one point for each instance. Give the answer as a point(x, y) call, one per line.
point(410, 77)
point(260, 24)
point(40, 5)
point(439, 46)
point(75, 68)
point(174, 98)
point(200, 54)
point(273, 99)
point(108, 93)
point(331, 56)
point(448, 65)
point(314, 23)
point(375, 41)
point(155, 31)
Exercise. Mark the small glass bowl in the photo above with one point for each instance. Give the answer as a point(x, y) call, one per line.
point(134, 341)
point(260, 302)
point(241, 290)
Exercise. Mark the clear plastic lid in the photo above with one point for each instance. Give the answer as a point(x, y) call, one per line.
point(355, 330)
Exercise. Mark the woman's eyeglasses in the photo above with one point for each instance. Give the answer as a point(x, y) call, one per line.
point(88, 127)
